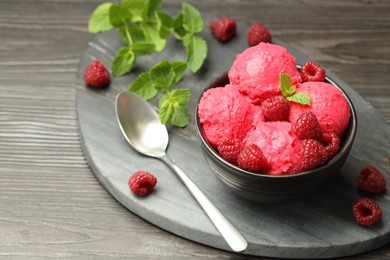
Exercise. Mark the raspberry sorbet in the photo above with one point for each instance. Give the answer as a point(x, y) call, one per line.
point(234, 111)
point(256, 71)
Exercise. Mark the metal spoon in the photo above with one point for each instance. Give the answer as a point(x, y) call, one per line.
point(143, 130)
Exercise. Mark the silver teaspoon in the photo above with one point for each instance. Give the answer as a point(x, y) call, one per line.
point(143, 130)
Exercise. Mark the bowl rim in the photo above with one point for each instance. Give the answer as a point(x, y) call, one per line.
point(347, 140)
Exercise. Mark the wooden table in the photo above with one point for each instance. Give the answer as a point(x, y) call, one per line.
point(51, 205)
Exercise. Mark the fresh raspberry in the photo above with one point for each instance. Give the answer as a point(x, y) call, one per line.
point(307, 127)
point(252, 159)
point(371, 179)
point(257, 33)
point(367, 212)
point(312, 71)
point(142, 183)
point(223, 29)
point(96, 75)
point(332, 144)
point(229, 149)
point(313, 154)
point(276, 108)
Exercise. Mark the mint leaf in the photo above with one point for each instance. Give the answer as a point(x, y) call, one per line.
point(163, 75)
point(285, 85)
point(166, 20)
point(144, 86)
point(180, 117)
point(289, 93)
point(143, 48)
point(123, 36)
point(119, 15)
point(165, 24)
point(300, 97)
point(136, 8)
point(152, 35)
point(151, 6)
point(179, 67)
point(180, 96)
point(192, 20)
point(172, 108)
point(136, 34)
point(196, 49)
point(123, 61)
point(166, 109)
point(99, 20)
point(178, 28)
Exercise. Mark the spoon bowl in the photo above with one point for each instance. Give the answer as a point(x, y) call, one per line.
point(140, 125)
point(143, 130)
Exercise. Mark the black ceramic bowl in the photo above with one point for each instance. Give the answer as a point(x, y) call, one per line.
point(272, 189)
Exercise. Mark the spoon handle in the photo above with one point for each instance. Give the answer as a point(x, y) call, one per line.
point(232, 236)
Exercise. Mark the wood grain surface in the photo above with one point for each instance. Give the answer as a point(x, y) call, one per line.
point(51, 205)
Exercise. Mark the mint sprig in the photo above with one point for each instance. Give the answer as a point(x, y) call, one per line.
point(143, 29)
point(289, 91)
point(161, 78)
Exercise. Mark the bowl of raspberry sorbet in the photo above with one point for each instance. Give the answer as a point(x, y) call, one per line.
point(270, 143)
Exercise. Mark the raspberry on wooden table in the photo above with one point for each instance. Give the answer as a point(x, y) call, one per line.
point(367, 212)
point(257, 33)
point(142, 183)
point(223, 29)
point(96, 75)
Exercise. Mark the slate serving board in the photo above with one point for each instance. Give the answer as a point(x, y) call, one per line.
point(320, 226)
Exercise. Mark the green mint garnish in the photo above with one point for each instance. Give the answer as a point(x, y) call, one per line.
point(161, 78)
point(123, 61)
point(143, 29)
point(100, 20)
point(173, 108)
point(300, 97)
point(192, 20)
point(119, 15)
point(141, 23)
point(196, 52)
point(289, 93)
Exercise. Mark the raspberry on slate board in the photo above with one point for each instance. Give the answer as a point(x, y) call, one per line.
point(371, 179)
point(96, 75)
point(257, 33)
point(367, 212)
point(223, 29)
point(142, 183)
